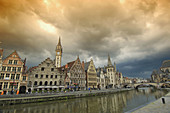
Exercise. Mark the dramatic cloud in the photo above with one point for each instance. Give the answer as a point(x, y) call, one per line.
point(134, 32)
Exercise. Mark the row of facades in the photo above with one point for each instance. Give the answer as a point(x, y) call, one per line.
point(50, 75)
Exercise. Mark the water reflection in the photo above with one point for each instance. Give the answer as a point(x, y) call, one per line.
point(114, 103)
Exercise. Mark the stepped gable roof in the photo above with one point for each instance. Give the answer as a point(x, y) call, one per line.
point(32, 68)
point(165, 64)
point(86, 65)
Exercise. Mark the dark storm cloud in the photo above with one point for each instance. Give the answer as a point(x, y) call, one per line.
point(131, 31)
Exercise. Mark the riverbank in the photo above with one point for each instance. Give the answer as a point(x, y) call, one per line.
point(156, 106)
point(21, 99)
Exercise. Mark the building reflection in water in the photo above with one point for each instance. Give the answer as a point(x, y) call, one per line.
point(113, 103)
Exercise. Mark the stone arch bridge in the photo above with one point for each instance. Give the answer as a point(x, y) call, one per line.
point(135, 85)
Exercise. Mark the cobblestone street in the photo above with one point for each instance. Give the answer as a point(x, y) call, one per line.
point(156, 106)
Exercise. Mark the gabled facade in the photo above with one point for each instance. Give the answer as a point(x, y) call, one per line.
point(75, 75)
point(12, 76)
point(101, 81)
point(119, 79)
point(45, 77)
point(111, 73)
point(91, 75)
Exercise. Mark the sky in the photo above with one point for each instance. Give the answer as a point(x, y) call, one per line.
point(136, 33)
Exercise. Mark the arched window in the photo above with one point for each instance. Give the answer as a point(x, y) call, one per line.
point(51, 83)
point(40, 83)
point(60, 83)
point(36, 76)
point(55, 83)
point(46, 83)
point(35, 83)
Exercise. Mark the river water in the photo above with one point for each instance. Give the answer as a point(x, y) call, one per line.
point(113, 103)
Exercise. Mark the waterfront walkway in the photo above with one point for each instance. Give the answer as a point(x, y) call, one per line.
point(156, 106)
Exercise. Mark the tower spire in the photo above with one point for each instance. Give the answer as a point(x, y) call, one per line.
point(115, 66)
point(109, 61)
point(59, 42)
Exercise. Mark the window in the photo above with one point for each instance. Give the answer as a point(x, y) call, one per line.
point(15, 62)
point(16, 86)
point(35, 83)
point(10, 62)
point(24, 78)
point(60, 83)
point(55, 76)
point(52, 69)
point(40, 83)
point(19, 69)
point(60, 76)
point(36, 76)
point(2, 76)
point(12, 76)
point(42, 69)
point(9, 69)
point(55, 83)
point(51, 76)
point(1, 85)
point(51, 83)
point(3, 68)
point(18, 76)
point(41, 76)
point(7, 75)
point(5, 85)
point(46, 76)
point(46, 83)
point(14, 69)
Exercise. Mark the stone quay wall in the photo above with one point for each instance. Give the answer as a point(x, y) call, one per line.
point(34, 98)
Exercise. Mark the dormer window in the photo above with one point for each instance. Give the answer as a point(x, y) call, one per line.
point(10, 62)
point(15, 62)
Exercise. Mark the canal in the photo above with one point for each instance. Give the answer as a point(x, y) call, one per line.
point(113, 103)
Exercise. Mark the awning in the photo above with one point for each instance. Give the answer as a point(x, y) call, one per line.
point(61, 87)
point(54, 86)
point(40, 87)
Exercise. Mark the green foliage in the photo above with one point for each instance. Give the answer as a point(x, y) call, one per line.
point(40, 91)
point(45, 91)
point(33, 91)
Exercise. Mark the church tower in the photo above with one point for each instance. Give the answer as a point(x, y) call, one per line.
point(58, 54)
point(109, 61)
